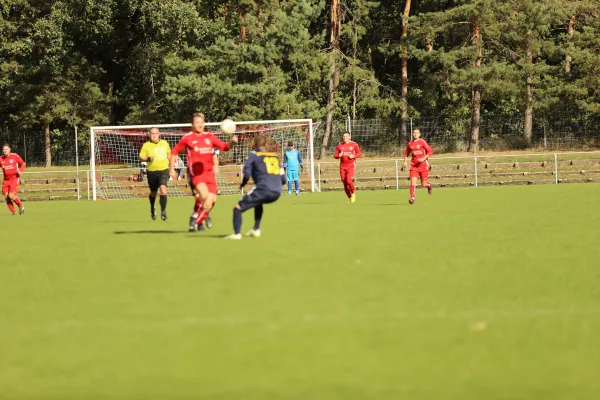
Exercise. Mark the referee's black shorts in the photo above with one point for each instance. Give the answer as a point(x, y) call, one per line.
point(157, 178)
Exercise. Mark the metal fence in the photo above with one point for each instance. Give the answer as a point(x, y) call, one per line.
point(377, 137)
point(450, 134)
point(506, 169)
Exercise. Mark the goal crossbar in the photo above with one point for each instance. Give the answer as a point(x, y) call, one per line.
point(95, 129)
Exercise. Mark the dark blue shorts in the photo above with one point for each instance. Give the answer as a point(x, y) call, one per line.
point(256, 197)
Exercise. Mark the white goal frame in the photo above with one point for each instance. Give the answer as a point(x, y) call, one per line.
point(93, 130)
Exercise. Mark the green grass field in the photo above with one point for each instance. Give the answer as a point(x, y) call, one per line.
point(473, 293)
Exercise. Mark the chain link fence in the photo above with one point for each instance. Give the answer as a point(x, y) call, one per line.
point(377, 137)
point(30, 146)
point(449, 135)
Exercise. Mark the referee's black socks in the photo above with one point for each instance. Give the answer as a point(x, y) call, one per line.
point(152, 200)
point(163, 203)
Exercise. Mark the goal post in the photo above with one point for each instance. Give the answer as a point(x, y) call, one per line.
point(116, 172)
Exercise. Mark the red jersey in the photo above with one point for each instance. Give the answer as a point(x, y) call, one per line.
point(343, 150)
point(419, 149)
point(10, 165)
point(199, 151)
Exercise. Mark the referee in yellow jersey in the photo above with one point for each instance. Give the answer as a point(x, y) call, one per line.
point(156, 152)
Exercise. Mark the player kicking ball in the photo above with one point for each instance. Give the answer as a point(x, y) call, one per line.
point(198, 204)
point(419, 164)
point(347, 152)
point(12, 178)
point(199, 146)
point(268, 177)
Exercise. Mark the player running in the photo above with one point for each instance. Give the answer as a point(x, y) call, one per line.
point(12, 166)
point(199, 147)
point(419, 164)
point(268, 177)
point(156, 153)
point(292, 163)
point(348, 151)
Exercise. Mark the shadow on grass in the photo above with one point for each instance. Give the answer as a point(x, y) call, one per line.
point(151, 232)
point(163, 232)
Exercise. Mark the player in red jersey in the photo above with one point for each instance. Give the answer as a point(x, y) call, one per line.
point(419, 164)
point(347, 152)
point(12, 166)
point(199, 147)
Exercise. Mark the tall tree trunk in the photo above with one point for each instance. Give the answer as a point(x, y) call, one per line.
point(109, 92)
point(528, 117)
point(570, 31)
point(476, 90)
point(355, 88)
point(242, 103)
point(47, 145)
point(334, 72)
point(243, 30)
point(404, 115)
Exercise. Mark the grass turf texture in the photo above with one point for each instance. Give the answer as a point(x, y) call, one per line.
point(470, 294)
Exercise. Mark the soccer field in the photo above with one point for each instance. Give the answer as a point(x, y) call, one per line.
point(472, 293)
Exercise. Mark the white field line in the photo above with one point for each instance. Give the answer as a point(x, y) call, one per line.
point(309, 318)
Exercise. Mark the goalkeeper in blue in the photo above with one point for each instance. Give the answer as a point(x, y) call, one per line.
point(268, 176)
point(292, 163)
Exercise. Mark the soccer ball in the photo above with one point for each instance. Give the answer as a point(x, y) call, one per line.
point(228, 126)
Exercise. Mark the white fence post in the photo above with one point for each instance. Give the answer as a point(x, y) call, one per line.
point(475, 158)
point(397, 177)
point(319, 175)
point(556, 169)
point(241, 177)
point(77, 164)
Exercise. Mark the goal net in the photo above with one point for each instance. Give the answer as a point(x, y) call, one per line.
point(119, 174)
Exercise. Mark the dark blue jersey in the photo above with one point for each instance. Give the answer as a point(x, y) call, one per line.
point(265, 170)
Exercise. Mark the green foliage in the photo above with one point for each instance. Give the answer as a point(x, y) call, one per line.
point(67, 62)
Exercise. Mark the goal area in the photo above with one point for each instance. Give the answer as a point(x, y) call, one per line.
point(118, 173)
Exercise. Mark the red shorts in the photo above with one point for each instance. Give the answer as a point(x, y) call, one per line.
point(11, 185)
point(422, 171)
point(208, 179)
point(347, 174)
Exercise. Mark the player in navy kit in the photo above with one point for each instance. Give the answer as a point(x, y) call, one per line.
point(268, 176)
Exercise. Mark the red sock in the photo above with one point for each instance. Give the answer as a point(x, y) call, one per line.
point(351, 187)
point(428, 185)
point(197, 205)
point(201, 217)
point(18, 202)
point(412, 190)
point(347, 190)
point(11, 207)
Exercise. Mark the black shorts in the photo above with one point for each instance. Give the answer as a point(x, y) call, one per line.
point(157, 178)
point(256, 197)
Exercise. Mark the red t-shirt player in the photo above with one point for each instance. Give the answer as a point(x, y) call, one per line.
point(12, 166)
point(419, 164)
point(347, 152)
point(199, 146)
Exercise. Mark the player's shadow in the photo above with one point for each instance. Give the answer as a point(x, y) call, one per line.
point(164, 232)
point(144, 232)
point(200, 235)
